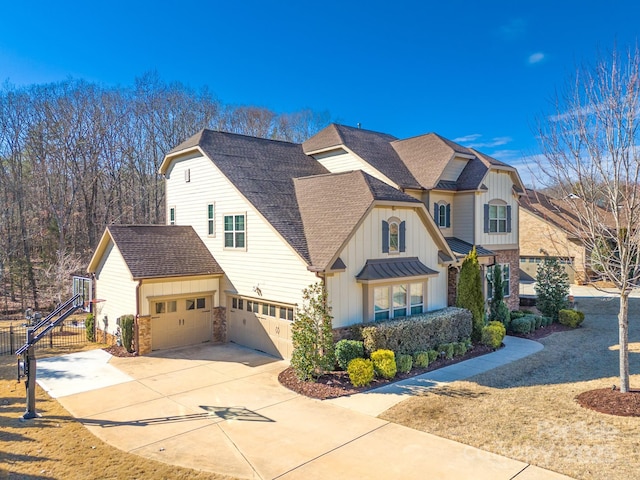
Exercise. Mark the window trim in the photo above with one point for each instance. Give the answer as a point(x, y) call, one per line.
point(370, 314)
point(442, 214)
point(386, 236)
point(488, 219)
point(234, 232)
point(172, 215)
point(211, 219)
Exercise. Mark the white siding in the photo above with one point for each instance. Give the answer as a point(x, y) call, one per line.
point(346, 294)
point(267, 263)
point(436, 197)
point(115, 285)
point(453, 169)
point(463, 217)
point(500, 185)
point(175, 288)
point(342, 161)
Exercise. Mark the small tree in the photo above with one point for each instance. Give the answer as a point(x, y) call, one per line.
point(127, 332)
point(312, 335)
point(498, 310)
point(552, 287)
point(469, 293)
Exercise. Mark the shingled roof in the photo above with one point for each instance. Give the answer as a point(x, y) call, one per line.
point(560, 213)
point(332, 206)
point(373, 147)
point(263, 171)
point(155, 251)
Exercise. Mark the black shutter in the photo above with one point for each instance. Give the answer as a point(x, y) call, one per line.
point(403, 246)
point(486, 218)
point(508, 218)
point(436, 213)
point(448, 215)
point(385, 237)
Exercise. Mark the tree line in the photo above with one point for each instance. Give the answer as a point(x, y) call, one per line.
point(76, 156)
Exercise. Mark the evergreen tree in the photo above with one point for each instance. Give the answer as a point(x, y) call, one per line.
point(552, 287)
point(498, 310)
point(469, 294)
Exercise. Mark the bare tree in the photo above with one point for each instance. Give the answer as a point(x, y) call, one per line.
point(590, 146)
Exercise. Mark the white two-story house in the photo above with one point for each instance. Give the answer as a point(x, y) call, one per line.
point(382, 223)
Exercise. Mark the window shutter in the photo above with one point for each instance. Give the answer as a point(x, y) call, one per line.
point(385, 237)
point(402, 237)
point(508, 218)
point(448, 215)
point(486, 218)
point(436, 215)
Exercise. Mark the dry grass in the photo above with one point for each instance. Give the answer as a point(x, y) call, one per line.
point(58, 447)
point(527, 410)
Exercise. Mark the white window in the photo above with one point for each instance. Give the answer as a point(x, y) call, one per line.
point(398, 300)
point(497, 218)
point(187, 175)
point(394, 237)
point(172, 215)
point(211, 220)
point(234, 231)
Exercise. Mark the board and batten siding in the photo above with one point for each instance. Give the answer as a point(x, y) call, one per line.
point(500, 187)
point(267, 263)
point(159, 289)
point(453, 169)
point(463, 218)
point(341, 161)
point(437, 197)
point(114, 283)
point(346, 294)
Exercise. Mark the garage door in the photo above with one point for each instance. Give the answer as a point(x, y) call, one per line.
point(263, 326)
point(180, 322)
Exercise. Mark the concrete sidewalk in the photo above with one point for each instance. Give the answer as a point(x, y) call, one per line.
point(220, 408)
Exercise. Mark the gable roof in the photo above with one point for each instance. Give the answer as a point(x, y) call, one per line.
point(373, 147)
point(263, 171)
point(333, 205)
point(157, 251)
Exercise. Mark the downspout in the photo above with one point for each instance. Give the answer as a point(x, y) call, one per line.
point(137, 329)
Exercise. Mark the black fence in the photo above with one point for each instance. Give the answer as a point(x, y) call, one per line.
point(69, 334)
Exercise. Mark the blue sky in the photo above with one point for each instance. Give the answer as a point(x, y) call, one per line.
point(476, 72)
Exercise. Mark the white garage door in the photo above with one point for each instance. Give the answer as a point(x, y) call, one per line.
point(180, 322)
point(263, 326)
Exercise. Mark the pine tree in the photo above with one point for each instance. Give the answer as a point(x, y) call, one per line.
point(498, 309)
point(469, 293)
point(552, 287)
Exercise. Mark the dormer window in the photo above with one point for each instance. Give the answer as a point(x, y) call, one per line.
point(497, 217)
point(442, 214)
point(393, 236)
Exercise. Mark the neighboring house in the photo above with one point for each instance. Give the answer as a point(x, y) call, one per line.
point(548, 226)
point(384, 223)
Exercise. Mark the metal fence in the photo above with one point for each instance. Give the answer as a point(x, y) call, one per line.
point(13, 337)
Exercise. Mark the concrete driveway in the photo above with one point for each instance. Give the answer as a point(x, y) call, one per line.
point(220, 408)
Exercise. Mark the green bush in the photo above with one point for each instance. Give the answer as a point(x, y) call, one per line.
point(469, 294)
point(546, 321)
point(347, 350)
point(517, 314)
point(384, 363)
point(521, 325)
point(571, 318)
point(90, 327)
point(446, 350)
point(459, 349)
point(419, 332)
point(421, 359)
point(538, 321)
point(493, 334)
point(433, 355)
point(404, 363)
point(360, 372)
point(126, 324)
point(552, 287)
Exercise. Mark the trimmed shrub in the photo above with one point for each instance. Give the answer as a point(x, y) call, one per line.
point(433, 355)
point(517, 314)
point(570, 318)
point(421, 359)
point(360, 372)
point(538, 321)
point(493, 334)
point(446, 350)
point(404, 363)
point(546, 321)
point(90, 327)
point(521, 325)
point(384, 363)
point(347, 350)
point(459, 348)
point(126, 324)
point(418, 332)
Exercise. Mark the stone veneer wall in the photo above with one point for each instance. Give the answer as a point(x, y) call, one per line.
point(143, 335)
point(220, 324)
point(512, 257)
point(105, 337)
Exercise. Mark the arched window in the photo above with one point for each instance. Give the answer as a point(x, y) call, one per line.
point(442, 214)
point(393, 235)
point(497, 217)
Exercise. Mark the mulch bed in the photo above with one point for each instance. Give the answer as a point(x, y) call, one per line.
point(612, 402)
point(117, 351)
point(543, 331)
point(337, 384)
